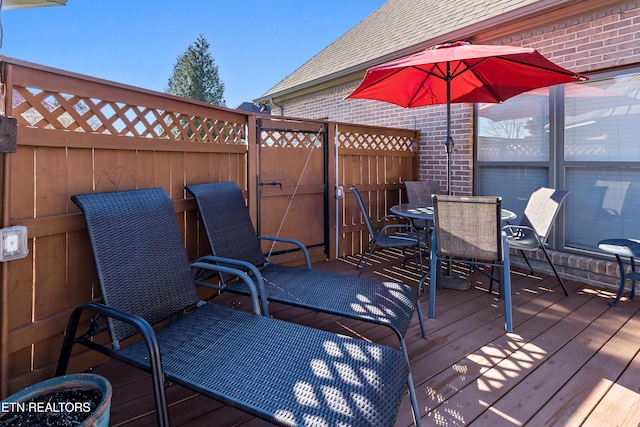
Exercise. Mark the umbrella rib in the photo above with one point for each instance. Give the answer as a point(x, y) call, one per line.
point(469, 69)
point(428, 73)
point(515, 61)
point(379, 80)
point(422, 86)
point(540, 67)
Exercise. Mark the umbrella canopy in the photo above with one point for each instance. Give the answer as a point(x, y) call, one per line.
point(460, 72)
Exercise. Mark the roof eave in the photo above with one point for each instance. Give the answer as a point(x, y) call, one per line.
point(335, 79)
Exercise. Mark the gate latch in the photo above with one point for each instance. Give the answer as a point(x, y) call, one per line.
point(274, 183)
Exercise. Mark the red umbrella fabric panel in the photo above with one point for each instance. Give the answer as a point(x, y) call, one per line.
point(478, 73)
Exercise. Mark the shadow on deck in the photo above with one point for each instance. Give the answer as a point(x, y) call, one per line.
point(570, 361)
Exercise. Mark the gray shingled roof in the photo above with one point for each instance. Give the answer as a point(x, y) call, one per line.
point(395, 26)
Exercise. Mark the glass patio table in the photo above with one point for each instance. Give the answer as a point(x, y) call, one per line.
point(416, 211)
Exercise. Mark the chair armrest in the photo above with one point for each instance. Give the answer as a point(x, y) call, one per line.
point(139, 323)
point(388, 218)
point(514, 230)
point(297, 243)
point(211, 263)
point(398, 226)
point(145, 330)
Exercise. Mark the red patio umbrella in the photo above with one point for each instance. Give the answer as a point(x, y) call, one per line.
point(460, 72)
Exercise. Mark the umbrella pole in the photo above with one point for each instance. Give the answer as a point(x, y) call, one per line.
point(450, 281)
point(448, 143)
point(449, 147)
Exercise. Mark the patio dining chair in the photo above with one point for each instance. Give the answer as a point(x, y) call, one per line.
point(468, 229)
point(388, 235)
point(539, 216)
point(420, 192)
point(281, 372)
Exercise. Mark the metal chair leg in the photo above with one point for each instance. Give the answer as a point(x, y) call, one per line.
point(526, 260)
point(553, 267)
point(366, 260)
point(361, 257)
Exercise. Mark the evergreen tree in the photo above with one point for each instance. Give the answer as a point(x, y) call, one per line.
point(195, 75)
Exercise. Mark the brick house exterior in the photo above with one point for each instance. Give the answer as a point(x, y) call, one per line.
point(583, 36)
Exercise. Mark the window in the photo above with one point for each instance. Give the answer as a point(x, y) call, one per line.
point(513, 148)
point(584, 138)
point(516, 130)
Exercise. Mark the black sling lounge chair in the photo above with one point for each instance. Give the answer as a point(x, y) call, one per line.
point(387, 235)
point(234, 242)
point(282, 372)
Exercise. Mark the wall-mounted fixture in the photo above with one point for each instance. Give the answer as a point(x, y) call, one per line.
point(8, 134)
point(14, 242)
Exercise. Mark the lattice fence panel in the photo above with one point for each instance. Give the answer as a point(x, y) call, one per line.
point(368, 141)
point(50, 110)
point(290, 139)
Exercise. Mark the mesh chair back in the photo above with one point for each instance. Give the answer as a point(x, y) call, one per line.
point(542, 209)
point(227, 222)
point(139, 254)
point(420, 192)
point(468, 227)
point(365, 212)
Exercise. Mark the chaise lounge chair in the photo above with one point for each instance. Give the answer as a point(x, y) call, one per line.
point(234, 243)
point(282, 372)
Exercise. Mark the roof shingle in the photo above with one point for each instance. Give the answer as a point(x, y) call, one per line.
point(396, 25)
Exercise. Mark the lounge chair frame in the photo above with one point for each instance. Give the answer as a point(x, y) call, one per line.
point(263, 366)
point(234, 243)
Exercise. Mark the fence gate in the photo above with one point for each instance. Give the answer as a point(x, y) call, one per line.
point(292, 185)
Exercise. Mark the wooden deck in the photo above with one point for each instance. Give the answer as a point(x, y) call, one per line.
point(571, 361)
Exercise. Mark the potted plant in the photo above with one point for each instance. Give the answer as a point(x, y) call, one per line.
point(68, 400)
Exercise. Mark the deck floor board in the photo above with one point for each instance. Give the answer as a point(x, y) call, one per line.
point(570, 360)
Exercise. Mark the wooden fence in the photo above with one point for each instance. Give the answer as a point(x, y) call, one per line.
point(78, 134)
point(377, 162)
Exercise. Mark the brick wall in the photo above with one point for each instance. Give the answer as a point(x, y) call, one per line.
point(431, 121)
point(601, 40)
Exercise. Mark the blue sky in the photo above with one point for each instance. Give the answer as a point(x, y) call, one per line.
point(255, 43)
